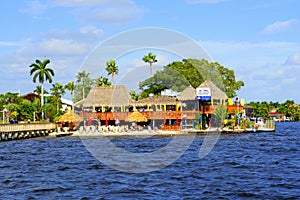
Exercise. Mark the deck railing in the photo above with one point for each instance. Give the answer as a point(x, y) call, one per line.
point(188, 114)
point(26, 127)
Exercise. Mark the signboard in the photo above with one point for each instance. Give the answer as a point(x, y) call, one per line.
point(203, 93)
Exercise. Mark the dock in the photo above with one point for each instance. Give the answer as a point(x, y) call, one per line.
point(25, 130)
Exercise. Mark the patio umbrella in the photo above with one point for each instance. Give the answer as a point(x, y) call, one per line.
point(136, 116)
point(70, 116)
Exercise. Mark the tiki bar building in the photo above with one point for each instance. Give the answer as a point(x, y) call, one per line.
point(112, 105)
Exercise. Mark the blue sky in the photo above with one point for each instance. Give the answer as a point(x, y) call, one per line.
point(258, 39)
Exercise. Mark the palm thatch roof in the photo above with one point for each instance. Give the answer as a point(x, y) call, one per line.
point(70, 116)
point(136, 116)
point(188, 93)
point(216, 93)
point(108, 96)
point(158, 100)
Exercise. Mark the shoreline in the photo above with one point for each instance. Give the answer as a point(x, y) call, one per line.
point(157, 133)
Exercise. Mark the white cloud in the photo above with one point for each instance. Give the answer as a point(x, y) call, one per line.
point(9, 44)
point(66, 50)
point(34, 7)
point(103, 11)
point(293, 59)
point(91, 30)
point(62, 47)
point(281, 26)
point(100, 11)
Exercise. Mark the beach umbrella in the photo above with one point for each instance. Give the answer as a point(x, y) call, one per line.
point(136, 116)
point(70, 116)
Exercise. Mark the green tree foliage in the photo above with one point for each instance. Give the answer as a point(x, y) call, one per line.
point(168, 78)
point(38, 90)
point(289, 108)
point(220, 113)
point(112, 69)
point(150, 58)
point(82, 86)
point(71, 87)
point(51, 109)
point(135, 96)
point(179, 75)
point(102, 81)
point(261, 109)
point(26, 110)
point(57, 90)
point(40, 71)
point(221, 76)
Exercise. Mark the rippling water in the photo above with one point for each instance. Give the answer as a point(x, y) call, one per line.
point(241, 166)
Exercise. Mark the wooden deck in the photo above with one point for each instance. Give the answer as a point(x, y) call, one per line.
point(25, 130)
point(187, 114)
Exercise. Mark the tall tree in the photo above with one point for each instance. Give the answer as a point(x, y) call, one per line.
point(40, 71)
point(112, 69)
point(57, 90)
point(179, 75)
point(82, 86)
point(150, 58)
point(71, 87)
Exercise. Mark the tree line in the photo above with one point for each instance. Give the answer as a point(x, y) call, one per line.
point(289, 108)
point(176, 76)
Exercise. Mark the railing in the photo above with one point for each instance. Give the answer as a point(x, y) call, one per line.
point(171, 127)
point(188, 114)
point(26, 127)
point(232, 109)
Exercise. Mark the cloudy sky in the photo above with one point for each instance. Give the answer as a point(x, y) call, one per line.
point(258, 39)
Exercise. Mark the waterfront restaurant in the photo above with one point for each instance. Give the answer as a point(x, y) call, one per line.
point(108, 104)
point(162, 110)
point(111, 104)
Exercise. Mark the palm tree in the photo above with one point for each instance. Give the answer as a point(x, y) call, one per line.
point(220, 113)
point(102, 81)
point(83, 78)
point(112, 69)
point(40, 71)
point(71, 87)
point(150, 58)
point(57, 90)
point(38, 90)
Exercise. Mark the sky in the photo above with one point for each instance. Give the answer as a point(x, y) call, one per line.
point(258, 39)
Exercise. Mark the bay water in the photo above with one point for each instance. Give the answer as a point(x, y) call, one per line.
point(240, 166)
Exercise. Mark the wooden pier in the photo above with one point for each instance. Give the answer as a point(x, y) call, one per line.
point(25, 130)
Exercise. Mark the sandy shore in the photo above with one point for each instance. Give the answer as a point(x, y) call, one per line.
point(115, 134)
point(153, 133)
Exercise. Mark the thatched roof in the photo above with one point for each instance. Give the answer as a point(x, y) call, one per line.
point(70, 116)
point(110, 96)
point(158, 100)
point(216, 93)
point(136, 116)
point(188, 93)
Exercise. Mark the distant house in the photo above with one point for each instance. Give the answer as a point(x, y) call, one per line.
point(66, 104)
point(30, 96)
point(275, 115)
